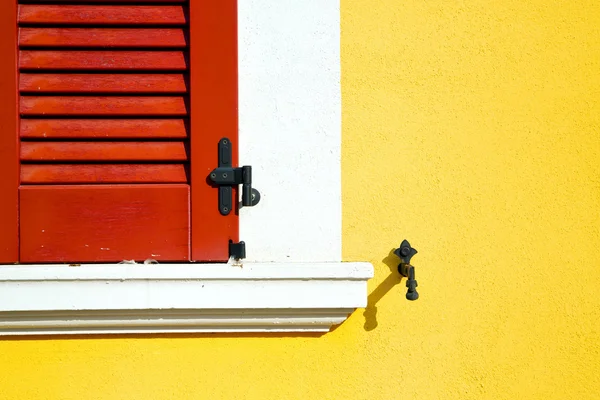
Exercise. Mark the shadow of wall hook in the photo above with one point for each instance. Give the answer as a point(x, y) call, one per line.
point(405, 252)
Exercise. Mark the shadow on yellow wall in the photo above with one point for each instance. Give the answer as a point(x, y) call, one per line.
point(389, 283)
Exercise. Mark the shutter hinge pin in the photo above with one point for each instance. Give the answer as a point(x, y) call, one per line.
point(237, 250)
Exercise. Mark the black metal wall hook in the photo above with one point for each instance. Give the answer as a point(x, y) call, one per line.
point(405, 252)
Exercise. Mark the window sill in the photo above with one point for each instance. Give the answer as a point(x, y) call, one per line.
point(122, 298)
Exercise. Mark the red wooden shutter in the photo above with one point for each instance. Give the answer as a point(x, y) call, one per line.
point(121, 109)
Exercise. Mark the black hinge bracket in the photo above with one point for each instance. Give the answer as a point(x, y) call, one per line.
point(226, 177)
point(237, 250)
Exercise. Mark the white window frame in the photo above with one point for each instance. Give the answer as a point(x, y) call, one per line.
point(294, 278)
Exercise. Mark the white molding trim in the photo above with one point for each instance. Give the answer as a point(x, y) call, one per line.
point(122, 298)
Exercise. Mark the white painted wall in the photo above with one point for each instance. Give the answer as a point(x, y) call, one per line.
point(290, 128)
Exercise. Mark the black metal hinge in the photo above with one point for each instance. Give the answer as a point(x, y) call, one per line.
point(237, 250)
point(226, 177)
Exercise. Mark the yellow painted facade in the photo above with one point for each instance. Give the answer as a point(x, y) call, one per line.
point(470, 128)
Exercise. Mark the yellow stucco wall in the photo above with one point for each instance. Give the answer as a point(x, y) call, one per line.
point(482, 124)
point(471, 128)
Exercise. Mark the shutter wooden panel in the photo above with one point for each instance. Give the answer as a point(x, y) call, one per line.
point(9, 139)
point(214, 109)
point(114, 128)
point(103, 113)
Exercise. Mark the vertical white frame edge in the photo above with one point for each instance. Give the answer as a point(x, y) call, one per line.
point(290, 128)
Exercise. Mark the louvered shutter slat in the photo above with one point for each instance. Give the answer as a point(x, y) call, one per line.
point(103, 60)
point(104, 151)
point(104, 128)
point(103, 173)
point(103, 83)
point(103, 106)
point(98, 15)
point(102, 37)
point(124, 2)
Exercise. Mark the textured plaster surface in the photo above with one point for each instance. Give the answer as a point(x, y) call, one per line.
point(470, 128)
point(290, 106)
point(482, 124)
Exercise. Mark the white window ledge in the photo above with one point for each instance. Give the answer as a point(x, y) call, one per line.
point(122, 298)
